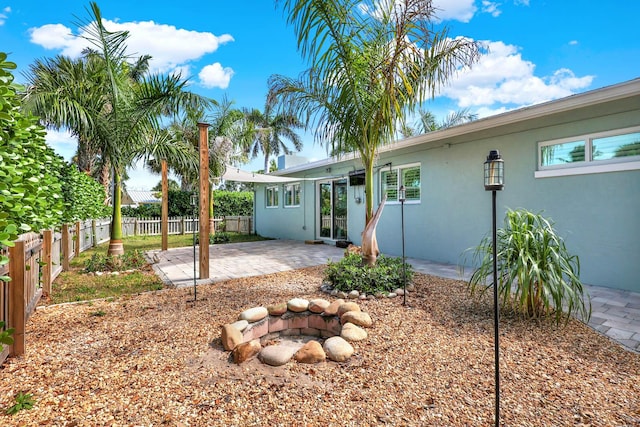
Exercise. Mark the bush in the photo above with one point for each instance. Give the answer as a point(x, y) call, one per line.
point(536, 274)
point(215, 238)
point(5, 336)
point(350, 273)
point(130, 260)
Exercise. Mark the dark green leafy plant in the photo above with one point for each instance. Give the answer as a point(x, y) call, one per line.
point(23, 401)
point(219, 238)
point(83, 196)
point(30, 191)
point(130, 260)
point(537, 276)
point(350, 273)
point(5, 336)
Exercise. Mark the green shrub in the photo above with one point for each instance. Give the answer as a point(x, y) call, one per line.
point(536, 274)
point(217, 238)
point(350, 273)
point(23, 401)
point(5, 336)
point(130, 260)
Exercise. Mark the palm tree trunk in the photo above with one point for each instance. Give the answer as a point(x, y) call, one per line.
point(212, 224)
point(116, 247)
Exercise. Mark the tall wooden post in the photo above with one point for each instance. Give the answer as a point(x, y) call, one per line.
point(204, 199)
point(165, 207)
point(66, 247)
point(78, 242)
point(47, 247)
point(17, 301)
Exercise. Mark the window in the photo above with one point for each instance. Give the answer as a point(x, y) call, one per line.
point(408, 175)
point(600, 152)
point(292, 195)
point(272, 197)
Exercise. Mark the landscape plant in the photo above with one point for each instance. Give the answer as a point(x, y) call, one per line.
point(5, 336)
point(130, 260)
point(370, 63)
point(537, 276)
point(350, 273)
point(118, 111)
point(30, 190)
point(23, 401)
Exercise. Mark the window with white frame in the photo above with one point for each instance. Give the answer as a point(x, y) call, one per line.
point(407, 175)
point(272, 197)
point(292, 195)
point(598, 152)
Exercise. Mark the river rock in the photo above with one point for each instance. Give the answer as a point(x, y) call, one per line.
point(277, 309)
point(318, 305)
point(332, 309)
point(231, 337)
point(246, 351)
point(347, 306)
point(298, 305)
point(254, 314)
point(338, 349)
point(359, 318)
point(311, 352)
point(351, 332)
point(278, 354)
point(240, 325)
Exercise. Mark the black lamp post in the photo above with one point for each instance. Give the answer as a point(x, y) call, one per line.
point(494, 181)
point(402, 196)
point(194, 204)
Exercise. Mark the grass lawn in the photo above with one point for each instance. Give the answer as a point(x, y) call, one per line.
point(75, 285)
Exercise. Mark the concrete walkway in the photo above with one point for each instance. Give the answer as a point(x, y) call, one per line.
point(614, 313)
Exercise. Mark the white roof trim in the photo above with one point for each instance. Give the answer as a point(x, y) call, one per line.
point(598, 96)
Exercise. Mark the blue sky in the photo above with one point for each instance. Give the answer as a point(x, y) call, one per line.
point(539, 50)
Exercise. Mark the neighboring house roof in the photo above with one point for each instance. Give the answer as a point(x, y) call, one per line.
point(138, 197)
point(552, 112)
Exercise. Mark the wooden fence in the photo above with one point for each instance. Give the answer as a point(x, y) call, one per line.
point(37, 259)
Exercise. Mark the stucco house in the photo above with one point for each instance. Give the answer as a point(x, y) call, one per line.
point(576, 160)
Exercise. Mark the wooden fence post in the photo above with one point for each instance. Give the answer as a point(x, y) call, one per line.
point(17, 303)
point(47, 248)
point(66, 252)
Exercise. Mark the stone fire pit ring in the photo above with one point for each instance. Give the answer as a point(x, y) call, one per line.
point(295, 329)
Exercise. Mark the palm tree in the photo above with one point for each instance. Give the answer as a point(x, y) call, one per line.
point(269, 127)
point(64, 92)
point(371, 62)
point(123, 118)
point(428, 122)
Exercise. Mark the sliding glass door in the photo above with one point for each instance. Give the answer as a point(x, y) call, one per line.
point(332, 209)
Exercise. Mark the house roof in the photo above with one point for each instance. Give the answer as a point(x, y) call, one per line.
point(562, 110)
point(142, 197)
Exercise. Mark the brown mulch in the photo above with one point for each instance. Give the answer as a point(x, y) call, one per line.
point(156, 359)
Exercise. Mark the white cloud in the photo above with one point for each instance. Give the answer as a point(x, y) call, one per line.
point(4, 15)
point(170, 47)
point(491, 8)
point(573, 42)
point(62, 142)
point(459, 10)
point(502, 76)
point(215, 75)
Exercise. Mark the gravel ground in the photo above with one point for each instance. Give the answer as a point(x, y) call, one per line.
point(156, 359)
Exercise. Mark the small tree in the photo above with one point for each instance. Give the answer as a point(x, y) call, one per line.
point(536, 274)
